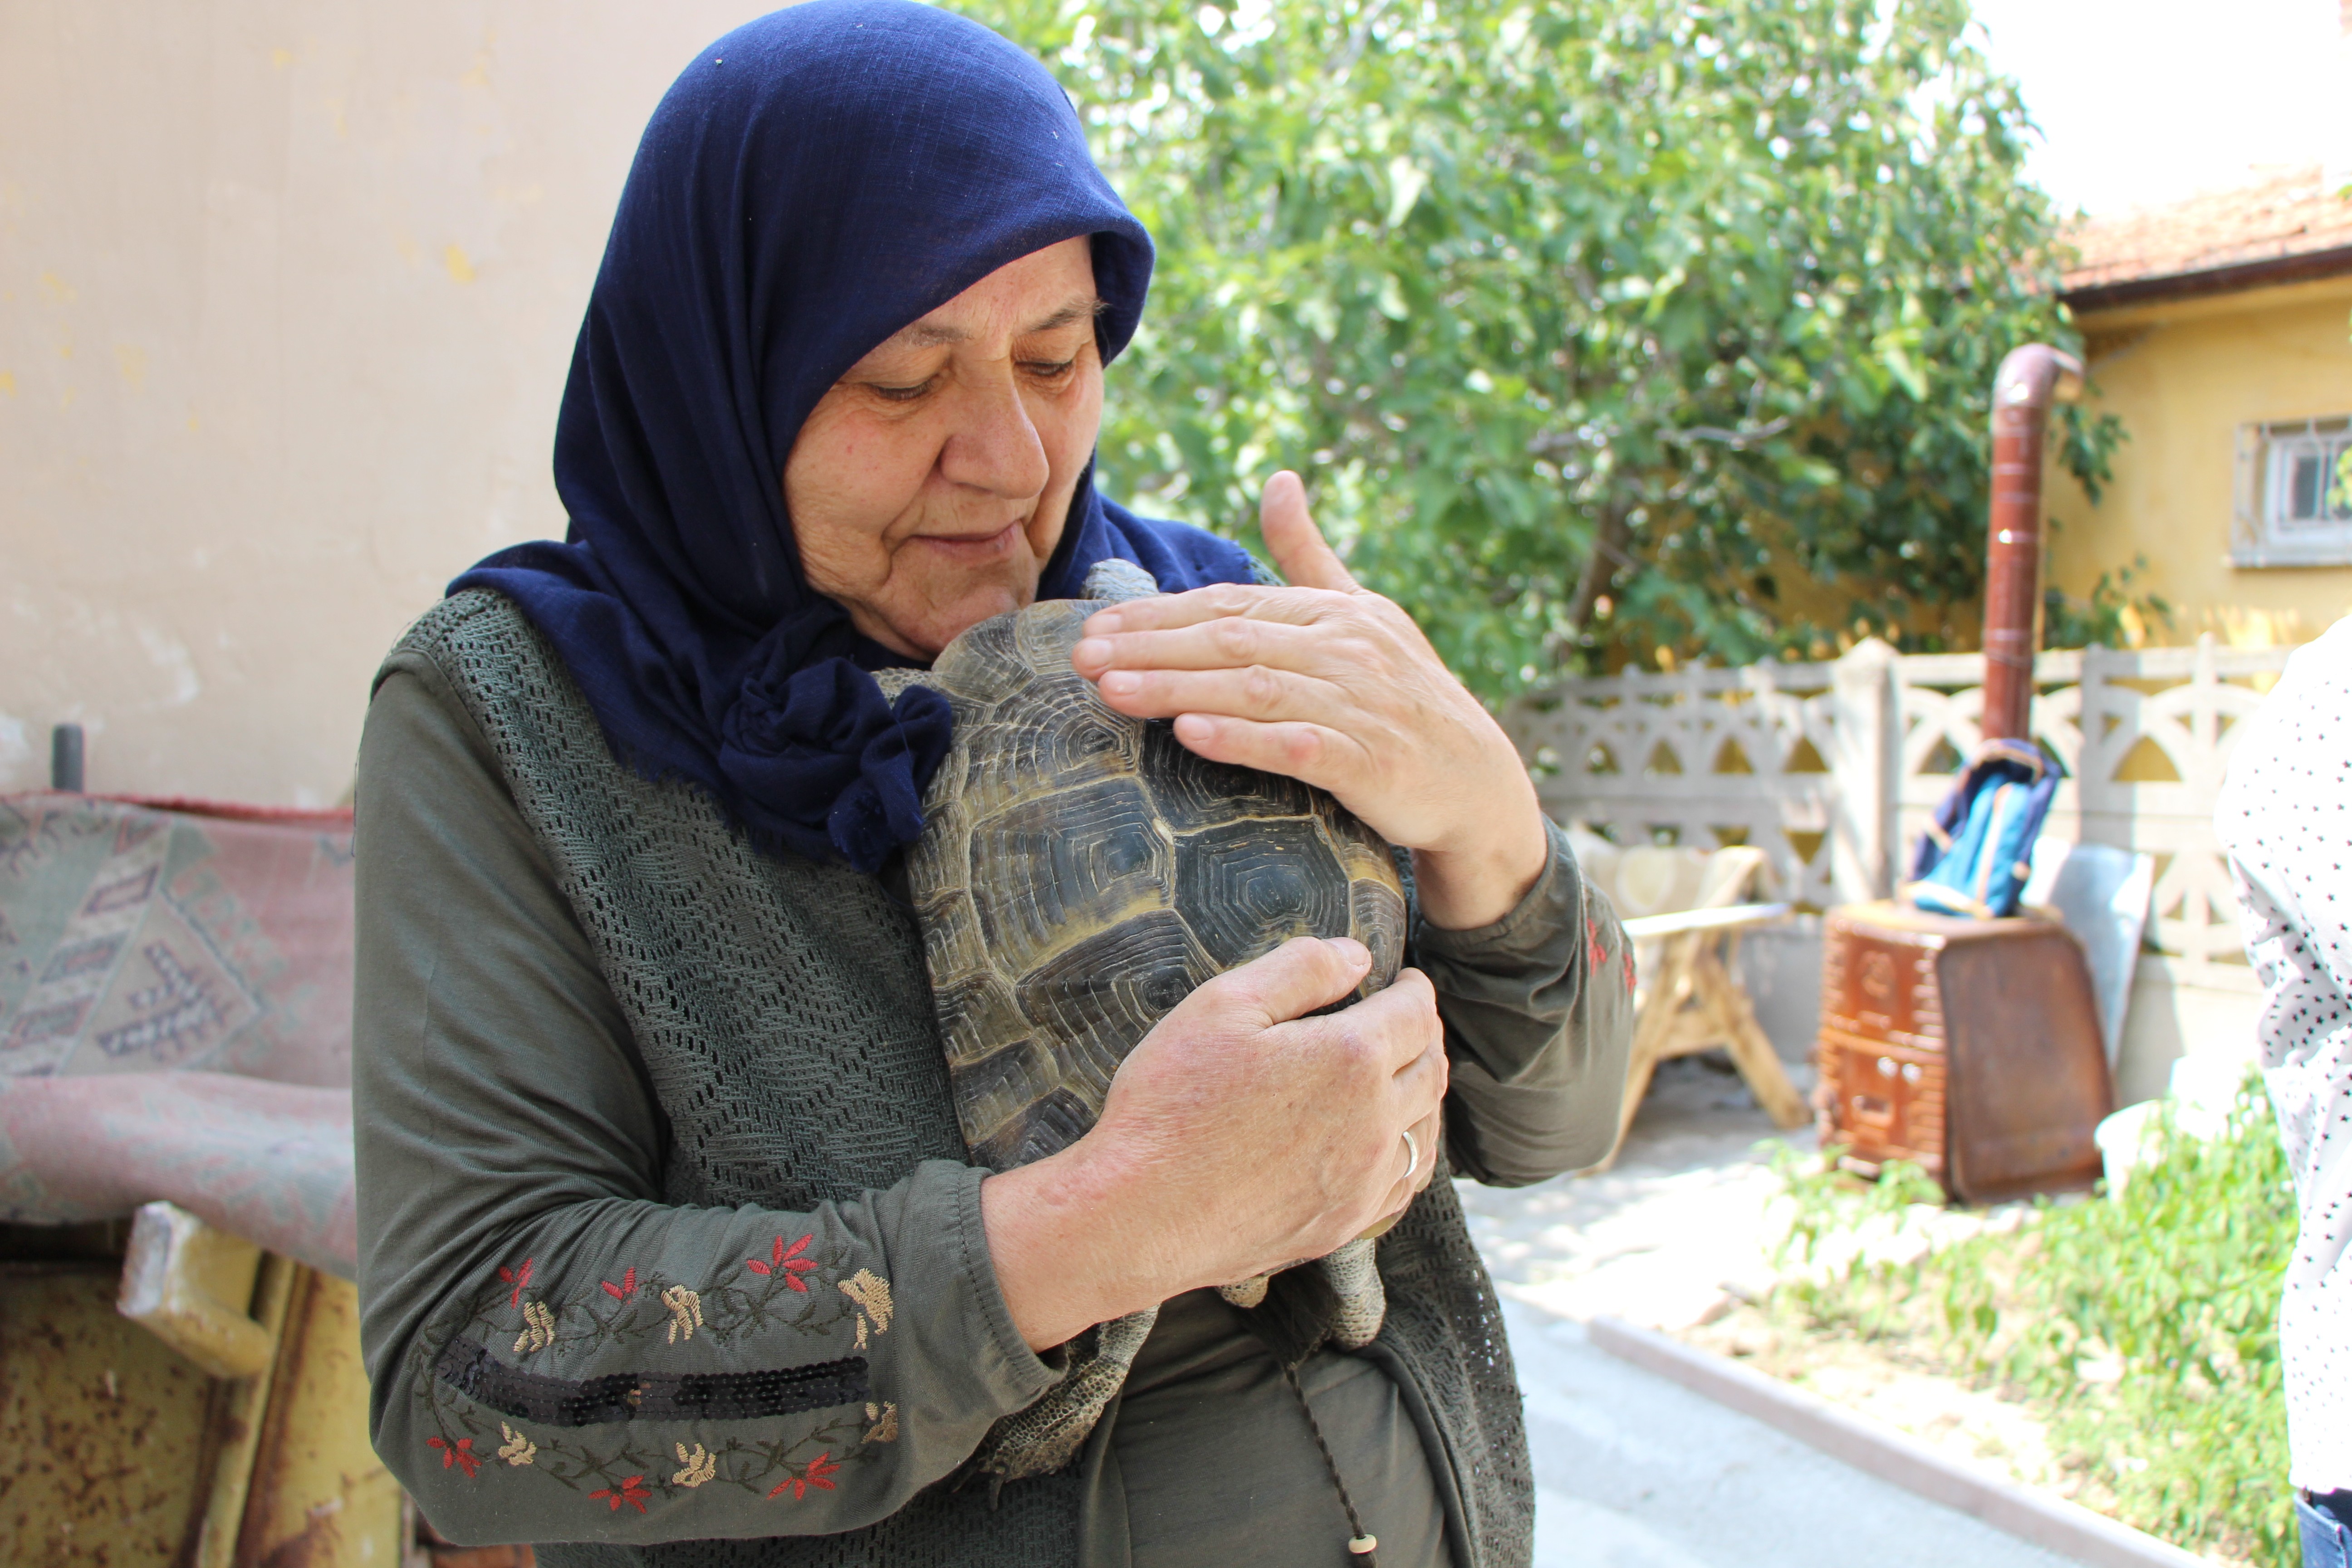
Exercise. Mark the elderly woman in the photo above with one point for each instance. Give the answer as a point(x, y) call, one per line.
point(671, 1248)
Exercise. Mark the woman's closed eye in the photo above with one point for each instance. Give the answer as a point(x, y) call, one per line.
point(889, 393)
point(1052, 372)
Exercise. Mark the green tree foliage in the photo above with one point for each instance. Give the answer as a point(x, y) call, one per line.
point(1590, 322)
point(2103, 620)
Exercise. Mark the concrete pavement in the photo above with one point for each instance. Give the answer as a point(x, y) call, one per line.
point(1632, 1471)
point(1655, 1239)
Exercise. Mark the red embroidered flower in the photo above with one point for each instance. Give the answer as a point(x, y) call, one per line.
point(818, 1475)
point(625, 1289)
point(518, 1278)
point(1596, 952)
point(631, 1491)
point(1629, 972)
point(461, 1455)
point(787, 1259)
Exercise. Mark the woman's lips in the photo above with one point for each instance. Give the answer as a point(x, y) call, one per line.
point(974, 550)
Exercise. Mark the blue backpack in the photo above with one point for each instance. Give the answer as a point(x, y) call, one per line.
point(1975, 856)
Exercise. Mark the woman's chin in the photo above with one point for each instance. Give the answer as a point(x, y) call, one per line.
point(931, 629)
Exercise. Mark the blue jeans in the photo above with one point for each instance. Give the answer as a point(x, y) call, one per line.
point(2327, 1524)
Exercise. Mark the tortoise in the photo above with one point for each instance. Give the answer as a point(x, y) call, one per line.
point(1078, 874)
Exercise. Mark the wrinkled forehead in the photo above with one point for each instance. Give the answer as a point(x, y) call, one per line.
point(1047, 293)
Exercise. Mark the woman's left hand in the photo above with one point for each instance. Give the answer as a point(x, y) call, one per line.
point(1330, 683)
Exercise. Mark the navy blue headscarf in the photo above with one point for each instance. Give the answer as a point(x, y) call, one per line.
point(814, 182)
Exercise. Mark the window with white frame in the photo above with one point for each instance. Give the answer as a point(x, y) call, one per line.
point(2294, 506)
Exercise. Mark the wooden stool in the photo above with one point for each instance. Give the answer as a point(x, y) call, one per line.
point(1691, 998)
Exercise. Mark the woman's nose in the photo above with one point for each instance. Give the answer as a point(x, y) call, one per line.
point(995, 445)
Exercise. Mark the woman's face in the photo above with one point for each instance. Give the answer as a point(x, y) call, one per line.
point(932, 481)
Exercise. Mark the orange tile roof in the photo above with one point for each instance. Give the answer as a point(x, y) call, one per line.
point(2286, 223)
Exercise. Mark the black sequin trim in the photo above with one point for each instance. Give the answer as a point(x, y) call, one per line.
point(472, 1371)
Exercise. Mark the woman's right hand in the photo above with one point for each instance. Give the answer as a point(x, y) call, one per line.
point(1239, 1136)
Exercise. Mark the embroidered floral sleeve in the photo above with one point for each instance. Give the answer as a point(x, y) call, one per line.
point(620, 1387)
point(813, 1410)
point(558, 1353)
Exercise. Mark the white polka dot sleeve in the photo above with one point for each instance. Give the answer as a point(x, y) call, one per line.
point(2286, 818)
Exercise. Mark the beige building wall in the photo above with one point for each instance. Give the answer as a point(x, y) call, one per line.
point(287, 292)
point(2185, 376)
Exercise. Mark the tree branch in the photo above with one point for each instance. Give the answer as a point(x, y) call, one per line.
point(1611, 535)
point(1738, 440)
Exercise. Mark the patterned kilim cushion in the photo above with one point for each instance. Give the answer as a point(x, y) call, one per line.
point(175, 1016)
point(133, 938)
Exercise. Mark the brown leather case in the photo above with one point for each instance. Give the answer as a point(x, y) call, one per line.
point(1970, 1046)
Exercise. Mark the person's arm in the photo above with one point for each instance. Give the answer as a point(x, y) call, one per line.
point(2280, 819)
point(1327, 682)
point(557, 1354)
point(1239, 1137)
point(1538, 1010)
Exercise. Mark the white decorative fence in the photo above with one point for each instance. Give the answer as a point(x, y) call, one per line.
point(1706, 757)
point(1833, 768)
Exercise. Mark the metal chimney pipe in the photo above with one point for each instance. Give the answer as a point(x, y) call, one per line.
point(2031, 378)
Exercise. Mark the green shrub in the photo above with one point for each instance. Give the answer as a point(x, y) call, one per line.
point(2104, 619)
point(2142, 1326)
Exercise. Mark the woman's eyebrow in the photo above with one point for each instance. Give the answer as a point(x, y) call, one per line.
point(1083, 310)
point(924, 335)
point(931, 335)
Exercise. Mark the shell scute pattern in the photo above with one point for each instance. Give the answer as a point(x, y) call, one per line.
point(1046, 631)
point(945, 843)
point(1007, 762)
point(1376, 914)
point(1003, 1087)
point(1196, 793)
point(1097, 998)
point(952, 939)
point(1241, 881)
point(1081, 873)
point(979, 1017)
point(982, 665)
point(1052, 871)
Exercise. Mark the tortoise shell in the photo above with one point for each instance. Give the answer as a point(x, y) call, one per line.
point(1080, 872)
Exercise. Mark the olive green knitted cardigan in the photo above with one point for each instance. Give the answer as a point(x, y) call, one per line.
point(707, 944)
